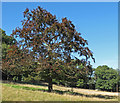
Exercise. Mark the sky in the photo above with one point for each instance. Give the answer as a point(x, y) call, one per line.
point(96, 21)
point(60, 1)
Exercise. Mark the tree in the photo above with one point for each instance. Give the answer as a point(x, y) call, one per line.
point(106, 78)
point(13, 70)
point(7, 41)
point(84, 76)
point(51, 42)
point(18, 64)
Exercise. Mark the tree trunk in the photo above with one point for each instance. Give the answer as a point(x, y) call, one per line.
point(50, 84)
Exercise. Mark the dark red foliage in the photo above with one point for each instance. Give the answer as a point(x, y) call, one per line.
point(51, 42)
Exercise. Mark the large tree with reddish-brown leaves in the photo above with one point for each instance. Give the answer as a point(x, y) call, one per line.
point(51, 42)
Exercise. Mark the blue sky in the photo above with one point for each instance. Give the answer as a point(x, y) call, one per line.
point(96, 21)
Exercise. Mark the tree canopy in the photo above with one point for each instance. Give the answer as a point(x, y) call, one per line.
point(51, 43)
point(7, 41)
point(106, 78)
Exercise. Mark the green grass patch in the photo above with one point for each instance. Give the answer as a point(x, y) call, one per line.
point(24, 87)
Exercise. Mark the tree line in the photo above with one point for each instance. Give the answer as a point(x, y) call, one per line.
point(42, 50)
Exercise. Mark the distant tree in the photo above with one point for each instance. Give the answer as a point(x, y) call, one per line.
point(84, 75)
point(18, 64)
point(91, 79)
point(118, 80)
point(51, 43)
point(13, 70)
point(106, 78)
point(7, 41)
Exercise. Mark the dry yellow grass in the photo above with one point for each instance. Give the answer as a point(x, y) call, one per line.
point(14, 94)
point(78, 90)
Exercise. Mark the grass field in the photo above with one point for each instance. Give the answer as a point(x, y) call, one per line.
point(27, 92)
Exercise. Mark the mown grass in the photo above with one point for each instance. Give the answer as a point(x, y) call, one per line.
point(13, 92)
